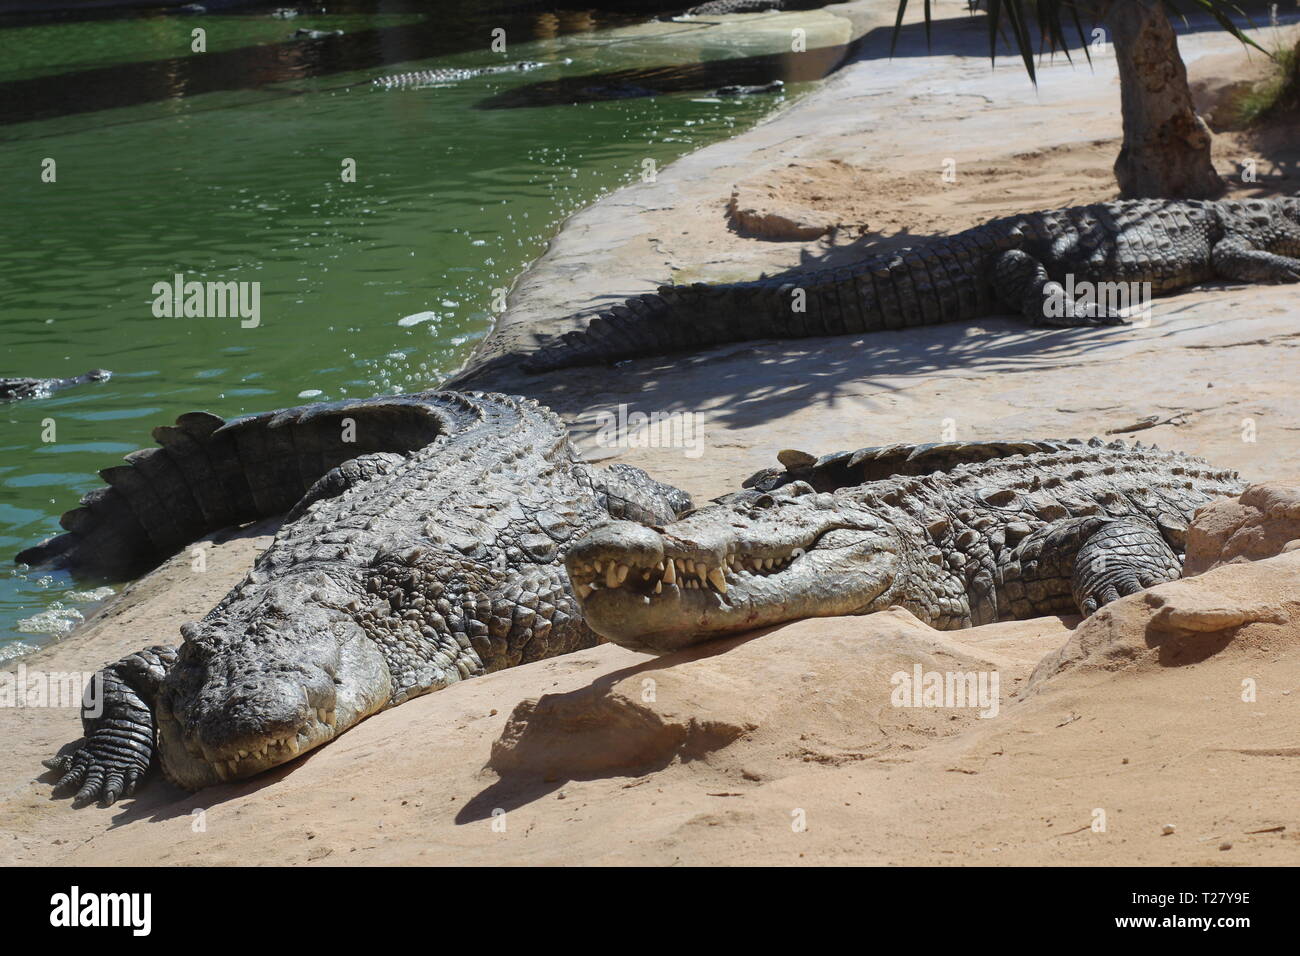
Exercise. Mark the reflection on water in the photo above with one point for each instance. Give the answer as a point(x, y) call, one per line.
point(230, 167)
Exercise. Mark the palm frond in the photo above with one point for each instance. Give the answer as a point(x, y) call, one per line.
point(1047, 15)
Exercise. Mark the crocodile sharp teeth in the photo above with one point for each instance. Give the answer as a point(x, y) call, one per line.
point(611, 576)
point(670, 572)
point(659, 587)
point(292, 744)
point(583, 590)
point(623, 570)
point(718, 580)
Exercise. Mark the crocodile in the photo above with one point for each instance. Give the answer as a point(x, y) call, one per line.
point(960, 534)
point(1022, 264)
point(741, 89)
point(423, 78)
point(13, 389)
point(425, 551)
point(716, 8)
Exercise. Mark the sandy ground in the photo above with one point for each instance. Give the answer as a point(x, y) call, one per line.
point(783, 747)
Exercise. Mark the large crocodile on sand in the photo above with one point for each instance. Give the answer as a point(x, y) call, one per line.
point(14, 389)
point(424, 547)
point(1019, 264)
point(959, 534)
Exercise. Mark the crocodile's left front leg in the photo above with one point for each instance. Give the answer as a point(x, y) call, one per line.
point(1021, 282)
point(1235, 258)
point(117, 716)
point(1121, 557)
point(1083, 563)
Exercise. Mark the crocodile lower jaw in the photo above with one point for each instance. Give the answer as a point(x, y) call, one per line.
point(186, 764)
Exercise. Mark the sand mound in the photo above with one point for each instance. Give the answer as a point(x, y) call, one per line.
point(815, 691)
point(1186, 622)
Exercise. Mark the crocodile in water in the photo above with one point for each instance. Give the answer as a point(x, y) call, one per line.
point(13, 389)
point(423, 78)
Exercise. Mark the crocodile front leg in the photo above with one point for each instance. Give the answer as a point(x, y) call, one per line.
point(1121, 557)
point(1235, 258)
point(1082, 564)
point(117, 716)
point(1021, 283)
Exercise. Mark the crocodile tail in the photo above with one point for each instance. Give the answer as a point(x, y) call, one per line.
point(674, 319)
point(207, 474)
point(939, 282)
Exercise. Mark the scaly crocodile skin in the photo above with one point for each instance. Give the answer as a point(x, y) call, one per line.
point(959, 534)
point(1007, 265)
point(427, 550)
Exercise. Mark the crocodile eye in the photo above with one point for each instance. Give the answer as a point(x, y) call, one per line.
point(763, 501)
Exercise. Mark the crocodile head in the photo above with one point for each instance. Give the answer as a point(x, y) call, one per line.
point(758, 559)
point(243, 698)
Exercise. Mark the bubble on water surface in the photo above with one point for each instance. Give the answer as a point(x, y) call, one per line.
point(55, 620)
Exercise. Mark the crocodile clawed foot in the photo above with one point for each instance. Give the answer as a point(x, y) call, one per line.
point(1122, 557)
point(1084, 320)
point(100, 770)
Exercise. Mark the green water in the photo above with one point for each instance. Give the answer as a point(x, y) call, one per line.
point(375, 286)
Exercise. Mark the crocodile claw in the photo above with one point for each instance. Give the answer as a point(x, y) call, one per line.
point(101, 769)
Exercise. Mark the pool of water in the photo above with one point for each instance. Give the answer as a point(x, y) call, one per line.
point(227, 165)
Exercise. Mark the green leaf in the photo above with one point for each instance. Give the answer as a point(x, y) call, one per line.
point(1047, 15)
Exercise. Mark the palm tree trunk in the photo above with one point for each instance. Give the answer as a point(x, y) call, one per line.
point(1166, 150)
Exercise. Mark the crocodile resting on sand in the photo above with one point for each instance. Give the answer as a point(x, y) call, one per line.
point(958, 534)
point(1018, 264)
point(14, 389)
point(424, 547)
